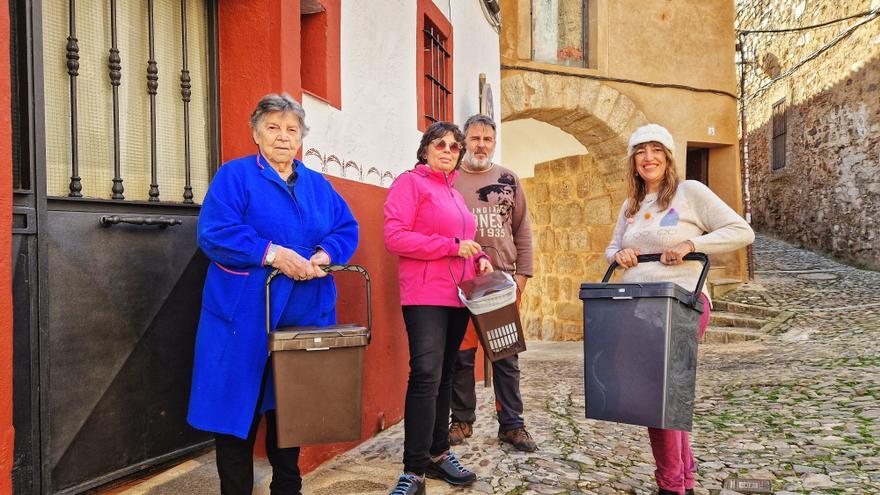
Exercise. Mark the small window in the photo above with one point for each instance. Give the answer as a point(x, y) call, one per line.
point(320, 69)
point(561, 32)
point(779, 114)
point(434, 67)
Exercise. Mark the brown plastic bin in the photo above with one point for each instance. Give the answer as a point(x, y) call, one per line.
point(318, 374)
point(491, 300)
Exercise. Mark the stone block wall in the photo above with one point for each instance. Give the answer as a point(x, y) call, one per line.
point(827, 196)
point(574, 203)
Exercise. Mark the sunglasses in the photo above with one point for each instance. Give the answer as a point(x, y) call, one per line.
point(441, 144)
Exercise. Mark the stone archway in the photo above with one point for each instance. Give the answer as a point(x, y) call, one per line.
point(573, 201)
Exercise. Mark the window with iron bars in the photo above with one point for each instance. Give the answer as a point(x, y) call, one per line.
point(779, 114)
point(128, 93)
point(438, 75)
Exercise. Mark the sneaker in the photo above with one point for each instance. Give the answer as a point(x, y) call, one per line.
point(409, 484)
point(458, 431)
point(450, 470)
point(519, 438)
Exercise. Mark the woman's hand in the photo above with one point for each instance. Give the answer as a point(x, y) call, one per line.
point(317, 260)
point(293, 265)
point(484, 266)
point(626, 258)
point(675, 254)
point(468, 248)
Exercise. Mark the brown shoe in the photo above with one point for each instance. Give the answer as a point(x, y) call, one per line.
point(458, 431)
point(519, 438)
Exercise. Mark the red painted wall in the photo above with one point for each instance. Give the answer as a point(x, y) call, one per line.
point(7, 434)
point(259, 54)
point(386, 362)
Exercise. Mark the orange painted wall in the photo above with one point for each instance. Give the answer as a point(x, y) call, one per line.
point(7, 433)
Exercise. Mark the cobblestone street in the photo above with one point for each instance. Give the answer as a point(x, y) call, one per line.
point(800, 407)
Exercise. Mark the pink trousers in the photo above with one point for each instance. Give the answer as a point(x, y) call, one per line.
point(672, 448)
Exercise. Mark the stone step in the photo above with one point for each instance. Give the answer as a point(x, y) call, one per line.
point(720, 286)
point(727, 319)
point(730, 335)
point(756, 311)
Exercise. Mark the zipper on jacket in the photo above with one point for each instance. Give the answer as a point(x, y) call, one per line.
point(425, 273)
point(463, 228)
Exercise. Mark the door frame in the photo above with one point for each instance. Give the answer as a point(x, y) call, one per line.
point(27, 62)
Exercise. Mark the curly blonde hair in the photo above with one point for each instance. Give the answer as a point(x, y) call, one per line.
point(638, 189)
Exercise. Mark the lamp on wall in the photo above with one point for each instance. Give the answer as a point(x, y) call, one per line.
point(492, 11)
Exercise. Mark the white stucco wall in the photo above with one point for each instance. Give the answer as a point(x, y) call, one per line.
point(377, 126)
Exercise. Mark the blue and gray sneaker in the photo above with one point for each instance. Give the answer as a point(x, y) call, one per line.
point(450, 470)
point(409, 484)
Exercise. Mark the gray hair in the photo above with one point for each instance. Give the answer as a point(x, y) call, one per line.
point(479, 119)
point(274, 102)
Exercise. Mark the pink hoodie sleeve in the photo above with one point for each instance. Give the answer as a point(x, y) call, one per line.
point(401, 210)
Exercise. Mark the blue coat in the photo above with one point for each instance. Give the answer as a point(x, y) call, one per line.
point(247, 206)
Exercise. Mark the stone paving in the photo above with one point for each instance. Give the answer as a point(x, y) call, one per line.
point(800, 408)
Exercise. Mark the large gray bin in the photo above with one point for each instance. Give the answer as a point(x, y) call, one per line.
point(640, 350)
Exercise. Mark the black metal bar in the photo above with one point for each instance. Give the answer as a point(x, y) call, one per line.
point(431, 74)
point(152, 87)
point(438, 84)
point(436, 40)
point(186, 95)
point(443, 73)
point(213, 88)
point(75, 185)
point(115, 65)
point(108, 220)
point(585, 33)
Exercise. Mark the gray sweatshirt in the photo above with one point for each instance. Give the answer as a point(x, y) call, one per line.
point(498, 202)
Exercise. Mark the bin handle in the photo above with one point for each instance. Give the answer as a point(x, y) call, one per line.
point(643, 258)
point(329, 269)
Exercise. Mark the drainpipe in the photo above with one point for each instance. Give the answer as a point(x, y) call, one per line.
point(744, 151)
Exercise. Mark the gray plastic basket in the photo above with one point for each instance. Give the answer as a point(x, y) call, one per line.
point(640, 350)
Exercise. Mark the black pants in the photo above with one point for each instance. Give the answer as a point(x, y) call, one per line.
point(434, 332)
point(505, 379)
point(235, 458)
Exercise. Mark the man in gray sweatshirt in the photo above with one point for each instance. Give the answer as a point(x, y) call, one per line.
point(496, 198)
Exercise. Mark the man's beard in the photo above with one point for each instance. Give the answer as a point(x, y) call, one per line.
point(472, 163)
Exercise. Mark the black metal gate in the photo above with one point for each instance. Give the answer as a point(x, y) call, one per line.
point(107, 291)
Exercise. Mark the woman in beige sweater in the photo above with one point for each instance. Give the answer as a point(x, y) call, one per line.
point(665, 215)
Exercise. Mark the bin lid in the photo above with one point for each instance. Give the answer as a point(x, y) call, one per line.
point(635, 291)
point(483, 285)
point(304, 338)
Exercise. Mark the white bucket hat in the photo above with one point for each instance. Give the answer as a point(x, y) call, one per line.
point(648, 133)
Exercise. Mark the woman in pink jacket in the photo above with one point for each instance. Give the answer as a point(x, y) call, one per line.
point(428, 225)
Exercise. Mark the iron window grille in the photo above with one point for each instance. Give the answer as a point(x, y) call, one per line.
point(438, 96)
point(779, 131)
point(129, 100)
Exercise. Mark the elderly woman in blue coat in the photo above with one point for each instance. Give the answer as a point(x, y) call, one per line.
point(262, 212)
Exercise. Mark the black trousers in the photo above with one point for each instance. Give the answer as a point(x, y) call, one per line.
point(235, 458)
point(434, 332)
point(505, 379)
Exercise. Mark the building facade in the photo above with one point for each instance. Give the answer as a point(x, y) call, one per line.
point(578, 76)
point(811, 77)
point(117, 117)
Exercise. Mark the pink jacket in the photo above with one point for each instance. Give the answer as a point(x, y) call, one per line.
point(424, 219)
